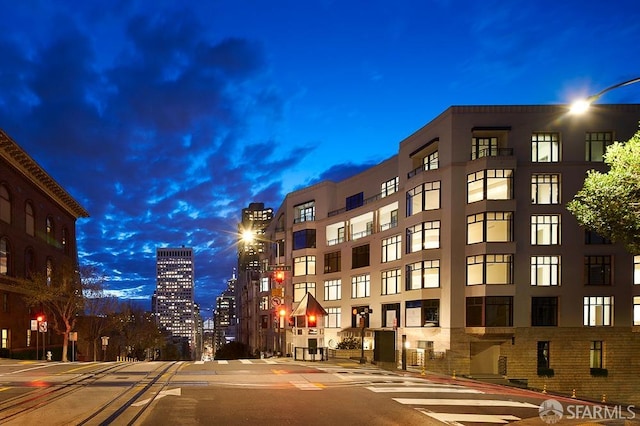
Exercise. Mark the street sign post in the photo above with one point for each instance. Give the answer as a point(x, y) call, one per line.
point(273, 268)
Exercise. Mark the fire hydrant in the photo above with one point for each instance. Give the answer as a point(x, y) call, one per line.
point(49, 355)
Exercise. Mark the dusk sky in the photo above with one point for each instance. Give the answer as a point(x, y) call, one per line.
point(165, 118)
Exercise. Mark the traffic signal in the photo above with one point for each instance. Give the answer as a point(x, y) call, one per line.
point(278, 276)
point(312, 320)
point(40, 318)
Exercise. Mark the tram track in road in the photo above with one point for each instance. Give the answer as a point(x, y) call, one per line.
point(47, 394)
point(129, 405)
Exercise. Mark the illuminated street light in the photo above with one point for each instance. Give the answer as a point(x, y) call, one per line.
point(582, 105)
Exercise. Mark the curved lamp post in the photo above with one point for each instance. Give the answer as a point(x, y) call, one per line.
point(581, 105)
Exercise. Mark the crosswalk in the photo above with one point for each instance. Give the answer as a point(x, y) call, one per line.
point(241, 361)
point(457, 405)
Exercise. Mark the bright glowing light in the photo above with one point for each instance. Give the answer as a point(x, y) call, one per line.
point(247, 236)
point(283, 312)
point(580, 106)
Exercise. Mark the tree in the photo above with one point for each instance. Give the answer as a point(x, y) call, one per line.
point(59, 293)
point(98, 309)
point(609, 203)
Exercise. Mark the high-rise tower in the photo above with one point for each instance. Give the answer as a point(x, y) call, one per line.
point(174, 306)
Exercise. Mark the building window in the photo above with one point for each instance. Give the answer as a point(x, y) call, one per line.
point(544, 311)
point(391, 248)
point(391, 281)
point(424, 274)
point(64, 241)
point(636, 310)
point(545, 147)
point(335, 234)
point(305, 238)
point(545, 270)
point(360, 286)
point(4, 338)
point(5, 257)
point(484, 147)
point(490, 269)
point(333, 318)
point(489, 227)
point(545, 229)
point(264, 284)
point(596, 144)
point(595, 354)
point(598, 310)
point(597, 270)
point(545, 189)
point(301, 289)
point(423, 236)
point(304, 265)
point(30, 221)
point(591, 238)
point(489, 311)
point(388, 216)
point(29, 263)
point(49, 271)
point(389, 187)
point(355, 201)
point(490, 185)
point(543, 355)
point(422, 313)
point(304, 212)
point(332, 290)
point(50, 230)
point(332, 262)
point(5, 204)
point(423, 197)
point(431, 161)
point(391, 315)
point(636, 269)
point(360, 256)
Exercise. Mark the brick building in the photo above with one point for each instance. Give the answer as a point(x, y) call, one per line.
point(37, 234)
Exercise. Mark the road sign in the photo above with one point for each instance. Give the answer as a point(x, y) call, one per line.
point(275, 302)
point(277, 292)
point(271, 268)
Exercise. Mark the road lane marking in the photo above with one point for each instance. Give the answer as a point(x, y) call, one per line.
point(426, 389)
point(465, 402)
point(162, 394)
point(246, 361)
point(455, 418)
point(223, 362)
point(303, 385)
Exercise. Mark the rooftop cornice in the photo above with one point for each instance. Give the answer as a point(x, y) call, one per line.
point(12, 153)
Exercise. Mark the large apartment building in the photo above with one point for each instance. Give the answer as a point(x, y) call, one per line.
point(37, 236)
point(462, 244)
point(174, 307)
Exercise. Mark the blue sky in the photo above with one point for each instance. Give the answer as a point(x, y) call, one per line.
point(164, 119)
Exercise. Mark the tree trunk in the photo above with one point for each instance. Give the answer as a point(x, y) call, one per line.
point(65, 346)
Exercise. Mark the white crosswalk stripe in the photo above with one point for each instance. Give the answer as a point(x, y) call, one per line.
point(467, 416)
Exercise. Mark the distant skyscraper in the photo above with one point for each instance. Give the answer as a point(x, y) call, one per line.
point(225, 315)
point(174, 307)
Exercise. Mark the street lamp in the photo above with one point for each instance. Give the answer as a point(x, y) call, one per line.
point(582, 105)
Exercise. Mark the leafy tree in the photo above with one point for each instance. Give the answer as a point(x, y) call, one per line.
point(609, 203)
point(59, 293)
point(137, 332)
point(349, 343)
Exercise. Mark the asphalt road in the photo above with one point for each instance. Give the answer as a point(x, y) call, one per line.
point(256, 392)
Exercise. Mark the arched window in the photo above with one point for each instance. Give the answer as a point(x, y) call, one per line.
point(5, 257)
point(49, 271)
point(5, 204)
point(50, 230)
point(29, 263)
point(30, 220)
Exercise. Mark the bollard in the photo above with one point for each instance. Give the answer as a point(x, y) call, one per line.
point(604, 397)
point(573, 394)
point(544, 388)
point(454, 374)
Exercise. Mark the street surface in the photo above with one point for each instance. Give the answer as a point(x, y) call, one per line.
point(277, 391)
